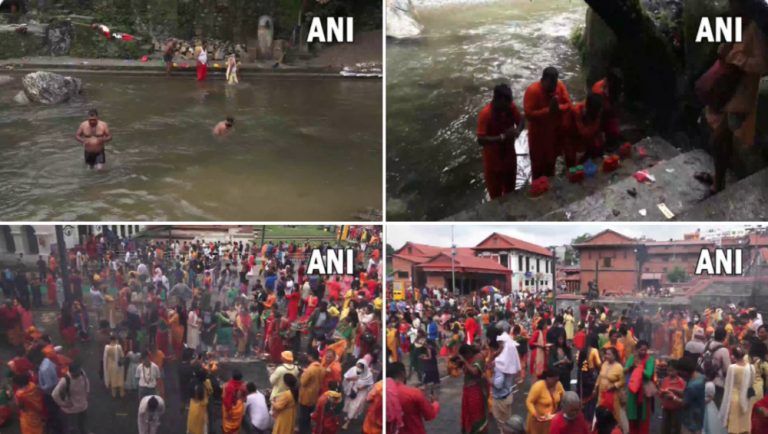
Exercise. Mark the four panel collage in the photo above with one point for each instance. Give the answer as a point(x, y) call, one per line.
point(383, 216)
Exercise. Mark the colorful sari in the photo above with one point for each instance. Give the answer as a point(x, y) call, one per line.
point(232, 417)
point(31, 409)
point(639, 408)
point(474, 401)
point(328, 414)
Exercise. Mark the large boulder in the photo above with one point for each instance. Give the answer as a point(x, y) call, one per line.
point(50, 88)
point(401, 20)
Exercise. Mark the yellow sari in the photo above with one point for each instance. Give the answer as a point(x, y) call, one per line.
point(284, 411)
point(197, 419)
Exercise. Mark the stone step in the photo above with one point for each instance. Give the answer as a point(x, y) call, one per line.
point(675, 186)
point(519, 206)
point(744, 200)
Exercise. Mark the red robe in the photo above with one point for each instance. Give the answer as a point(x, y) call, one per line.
point(472, 329)
point(293, 305)
point(229, 394)
point(499, 159)
point(610, 117)
point(585, 136)
point(545, 129)
point(326, 421)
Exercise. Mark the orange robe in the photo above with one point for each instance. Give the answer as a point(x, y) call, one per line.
point(585, 136)
point(545, 129)
point(31, 409)
point(499, 159)
point(610, 118)
point(232, 417)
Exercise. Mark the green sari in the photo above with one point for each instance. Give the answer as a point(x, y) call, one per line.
point(638, 406)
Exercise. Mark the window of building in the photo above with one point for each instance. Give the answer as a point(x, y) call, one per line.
point(527, 263)
point(402, 274)
point(607, 262)
point(10, 244)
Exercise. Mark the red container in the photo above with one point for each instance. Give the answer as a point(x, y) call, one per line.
point(610, 163)
point(625, 151)
point(539, 186)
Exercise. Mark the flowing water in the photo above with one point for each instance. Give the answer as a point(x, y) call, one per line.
point(302, 149)
point(438, 83)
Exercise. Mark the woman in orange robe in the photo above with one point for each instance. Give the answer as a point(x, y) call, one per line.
point(29, 399)
point(177, 332)
point(232, 416)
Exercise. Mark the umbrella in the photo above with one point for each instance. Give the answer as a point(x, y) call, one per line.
point(488, 289)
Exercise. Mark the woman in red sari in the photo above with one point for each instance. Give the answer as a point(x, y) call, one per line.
point(50, 285)
point(312, 302)
point(328, 413)
point(162, 338)
point(538, 346)
point(10, 318)
point(29, 399)
point(293, 304)
point(177, 332)
point(474, 397)
point(275, 325)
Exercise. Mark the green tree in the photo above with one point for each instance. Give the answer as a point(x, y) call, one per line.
point(571, 254)
point(677, 275)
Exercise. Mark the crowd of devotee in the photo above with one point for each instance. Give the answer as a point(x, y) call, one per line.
point(531, 366)
point(198, 314)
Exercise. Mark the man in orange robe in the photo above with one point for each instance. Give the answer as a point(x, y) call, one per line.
point(610, 89)
point(547, 106)
point(586, 137)
point(498, 125)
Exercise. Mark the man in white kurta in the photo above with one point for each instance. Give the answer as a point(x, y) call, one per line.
point(193, 329)
point(114, 377)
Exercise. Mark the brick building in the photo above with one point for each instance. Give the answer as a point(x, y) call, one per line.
point(609, 260)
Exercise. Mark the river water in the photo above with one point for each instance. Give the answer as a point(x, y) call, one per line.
point(438, 83)
point(302, 149)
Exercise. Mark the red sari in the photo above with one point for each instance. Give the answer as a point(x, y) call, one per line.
point(293, 305)
point(274, 340)
point(538, 355)
point(202, 71)
point(312, 302)
point(474, 401)
point(327, 416)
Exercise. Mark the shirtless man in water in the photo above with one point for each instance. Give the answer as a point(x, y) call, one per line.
point(224, 127)
point(93, 134)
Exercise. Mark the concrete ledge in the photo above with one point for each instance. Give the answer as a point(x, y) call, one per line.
point(743, 201)
point(154, 67)
point(675, 186)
